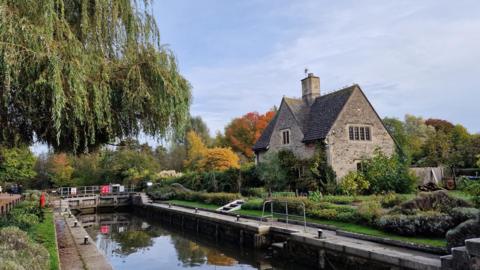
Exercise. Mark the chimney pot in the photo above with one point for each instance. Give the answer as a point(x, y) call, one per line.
point(310, 88)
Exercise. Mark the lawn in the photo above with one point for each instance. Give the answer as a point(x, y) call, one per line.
point(44, 233)
point(349, 227)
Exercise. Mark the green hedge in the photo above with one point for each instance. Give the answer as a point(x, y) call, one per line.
point(321, 210)
point(428, 223)
point(226, 181)
point(219, 198)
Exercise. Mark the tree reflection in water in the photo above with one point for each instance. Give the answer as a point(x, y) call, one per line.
point(124, 237)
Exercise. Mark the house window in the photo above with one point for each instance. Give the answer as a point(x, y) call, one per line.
point(362, 134)
point(360, 166)
point(286, 137)
point(359, 133)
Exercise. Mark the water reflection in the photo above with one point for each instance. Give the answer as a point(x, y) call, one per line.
point(131, 242)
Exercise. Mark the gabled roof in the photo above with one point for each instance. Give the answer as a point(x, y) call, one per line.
point(299, 111)
point(324, 112)
point(315, 121)
point(264, 139)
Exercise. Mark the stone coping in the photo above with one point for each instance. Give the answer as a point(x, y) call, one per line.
point(396, 256)
point(376, 239)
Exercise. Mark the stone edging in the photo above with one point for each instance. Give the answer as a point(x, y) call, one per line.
point(56, 238)
point(376, 239)
point(419, 247)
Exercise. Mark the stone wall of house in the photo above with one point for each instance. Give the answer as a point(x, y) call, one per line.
point(343, 153)
point(286, 120)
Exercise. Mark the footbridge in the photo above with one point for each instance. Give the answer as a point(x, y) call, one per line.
point(87, 197)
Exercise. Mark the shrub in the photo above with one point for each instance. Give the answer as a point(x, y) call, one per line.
point(461, 214)
point(387, 174)
point(350, 217)
point(462, 183)
point(391, 199)
point(329, 214)
point(315, 196)
point(469, 229)
point(258, 192)
point(17, 251)
point(24, 215)
point(370, 211)
point(429, 223)
point(294, 204)
point(354, 183)
point(219, 198)
point(283, 194)
point(474, 190)
point(338, 199)
point(253, 204)
point(162, 193)
point(428, 201)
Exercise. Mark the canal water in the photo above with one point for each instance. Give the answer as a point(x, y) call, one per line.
point(133, 242)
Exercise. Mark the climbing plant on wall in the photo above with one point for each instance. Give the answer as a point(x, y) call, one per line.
point(78, 74)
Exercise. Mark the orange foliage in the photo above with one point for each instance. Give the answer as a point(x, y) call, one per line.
point(242, 133)
point(201, 158)
point(219, 159)
point(60, 169)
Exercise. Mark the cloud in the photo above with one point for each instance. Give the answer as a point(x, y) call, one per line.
point(409, 57)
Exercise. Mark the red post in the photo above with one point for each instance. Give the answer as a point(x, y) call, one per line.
point(42, 200)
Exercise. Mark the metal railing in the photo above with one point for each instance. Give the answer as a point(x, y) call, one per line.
point(286, 214)
point(84, 191)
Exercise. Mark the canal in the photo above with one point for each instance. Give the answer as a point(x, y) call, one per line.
point(133, 242)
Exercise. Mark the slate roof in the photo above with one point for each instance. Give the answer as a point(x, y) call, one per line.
point(299, 110)
point(315, 121)
point(264, 139)
point(324, 113)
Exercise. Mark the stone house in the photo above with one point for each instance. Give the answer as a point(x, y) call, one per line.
point(344, 120)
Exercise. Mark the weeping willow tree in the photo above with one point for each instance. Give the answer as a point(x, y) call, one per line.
point(76, 74)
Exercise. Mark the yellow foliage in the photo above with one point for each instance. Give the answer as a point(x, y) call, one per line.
point(219, 159)
point(201, 158)
point(196, 150)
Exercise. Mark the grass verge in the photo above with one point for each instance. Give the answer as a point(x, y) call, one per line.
point(349, 227)
point(44, 233)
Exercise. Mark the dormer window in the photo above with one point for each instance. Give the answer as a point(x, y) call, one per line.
point(359, 133)
point(286, 137)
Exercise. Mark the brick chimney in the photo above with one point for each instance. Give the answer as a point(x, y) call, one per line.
point(310, 88)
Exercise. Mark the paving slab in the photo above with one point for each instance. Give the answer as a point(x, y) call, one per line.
point(74, 255)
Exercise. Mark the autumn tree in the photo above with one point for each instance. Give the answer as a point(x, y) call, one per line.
point(440, 124)
point(219, 159)
point(242, 133)
point(79, 74)
point(201, 158)
point(196, 150)
point(60, 170)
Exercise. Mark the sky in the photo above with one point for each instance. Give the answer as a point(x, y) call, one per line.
point(409, 57)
